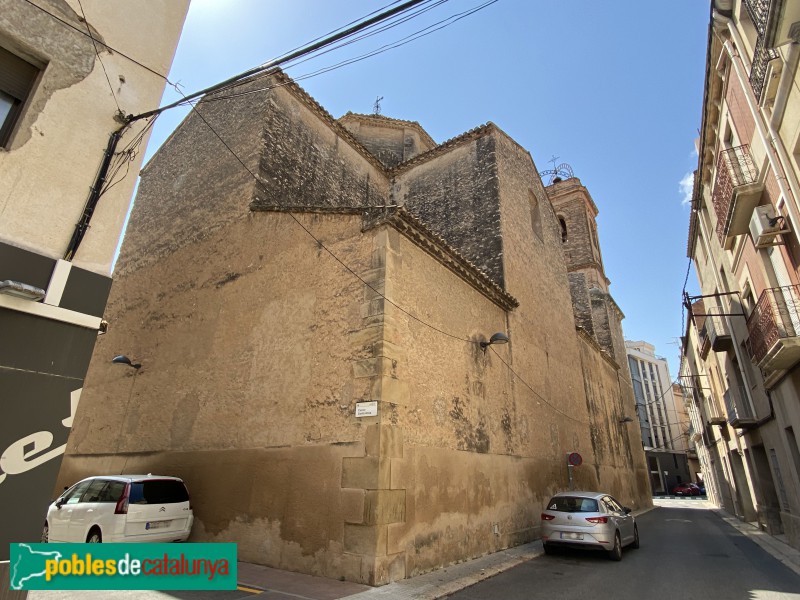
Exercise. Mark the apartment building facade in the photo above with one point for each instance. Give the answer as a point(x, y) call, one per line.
point(70, 72)
point(741, 348)
point(663, 426)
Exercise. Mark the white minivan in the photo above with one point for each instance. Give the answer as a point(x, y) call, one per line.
point(121, 508)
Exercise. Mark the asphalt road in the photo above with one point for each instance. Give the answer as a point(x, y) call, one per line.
point(685, 553)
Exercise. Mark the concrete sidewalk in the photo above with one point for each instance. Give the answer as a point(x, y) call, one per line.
point(285, 585)
point(449, 580)
point(436, 584)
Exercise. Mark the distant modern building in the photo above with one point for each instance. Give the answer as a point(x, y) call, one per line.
point(316, 339)
point(69, 74)
point(664, 428)
point(741, 348)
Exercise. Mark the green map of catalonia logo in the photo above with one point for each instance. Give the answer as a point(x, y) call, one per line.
point(28, 564)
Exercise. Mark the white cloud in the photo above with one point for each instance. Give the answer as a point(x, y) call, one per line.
point(686, 185)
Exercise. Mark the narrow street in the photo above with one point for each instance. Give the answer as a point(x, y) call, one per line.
point(687, 551)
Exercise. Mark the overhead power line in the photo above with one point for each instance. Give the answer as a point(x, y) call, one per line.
point(286, 58)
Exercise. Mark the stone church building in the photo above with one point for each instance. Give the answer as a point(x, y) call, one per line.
point(311, 303)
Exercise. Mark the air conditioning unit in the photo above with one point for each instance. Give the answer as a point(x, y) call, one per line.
point(766, 226)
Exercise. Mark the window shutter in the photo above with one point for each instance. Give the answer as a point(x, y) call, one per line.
point(16, 75)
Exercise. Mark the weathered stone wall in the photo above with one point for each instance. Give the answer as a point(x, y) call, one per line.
point(293, 158)
point(542, 329)
point(619, 465)
point(455, 194)
point(305, 161)
point(581, 302)
point(391, 141)
point(256, 345)
point(194, 185)
point(572, 204)
point(284, 507)
point(580, 380)
point(247, 389)
point(481, 454)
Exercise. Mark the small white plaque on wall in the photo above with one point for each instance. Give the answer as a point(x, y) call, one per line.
point(367, 409)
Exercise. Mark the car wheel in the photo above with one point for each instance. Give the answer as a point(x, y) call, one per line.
point(548, 549)
point(616, 552)
point(45, 533)
point(635, 543)
point(94, 537)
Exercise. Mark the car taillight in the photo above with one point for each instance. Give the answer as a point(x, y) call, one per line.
point(122, 503)
point(597, 519)
point(546, 517)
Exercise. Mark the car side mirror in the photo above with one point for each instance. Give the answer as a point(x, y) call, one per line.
point(626, 510)
point(60, 502)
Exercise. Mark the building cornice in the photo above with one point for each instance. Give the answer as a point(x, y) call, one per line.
point(444, 147)
point(416, 231)
point(607, 296)
point(589, 339)
point(712, 92)
point(298, 92)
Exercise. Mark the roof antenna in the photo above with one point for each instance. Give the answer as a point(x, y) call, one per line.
point(557, 173)
point(376, 108)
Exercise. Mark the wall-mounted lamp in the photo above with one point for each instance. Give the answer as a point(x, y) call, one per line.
point(124, 360)
point(497, 338)
point(21, 290)
point(626, 420)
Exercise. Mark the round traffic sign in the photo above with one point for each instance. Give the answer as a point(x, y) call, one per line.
point(575, 459)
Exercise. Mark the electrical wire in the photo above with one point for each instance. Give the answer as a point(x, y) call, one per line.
point(385, 48)
point(111, 48)
point(321, 245)
point(266, 69)
point(535, 393)
point(408, 4)
point(128, 152)
point(97, 52)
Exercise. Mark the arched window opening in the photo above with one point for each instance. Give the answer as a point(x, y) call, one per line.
point(563, 224)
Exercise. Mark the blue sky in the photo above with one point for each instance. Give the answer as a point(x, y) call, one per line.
point(612, 88)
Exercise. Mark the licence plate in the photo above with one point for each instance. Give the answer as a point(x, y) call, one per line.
point(571, 536)
point(157, 524)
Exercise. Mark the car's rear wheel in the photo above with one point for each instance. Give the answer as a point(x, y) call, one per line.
point(616, 552)
point(45, 533)
point(94, 537)
point(635, 537)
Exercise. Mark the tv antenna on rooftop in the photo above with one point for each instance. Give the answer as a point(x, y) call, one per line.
point(557, 173)
point(376, 108)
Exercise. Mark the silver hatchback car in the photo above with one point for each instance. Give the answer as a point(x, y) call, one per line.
point(591, 520)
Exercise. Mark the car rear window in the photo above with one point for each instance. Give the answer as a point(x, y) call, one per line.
point(158, 491)
point(572, 504)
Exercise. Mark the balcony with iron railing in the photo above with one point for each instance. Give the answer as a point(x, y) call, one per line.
point(712, 412)
point(703, 341)
point(773, 20)
point(717, 330)
point(774, 329)
point(736, 193)
point(762, 57)
point(737, 405)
